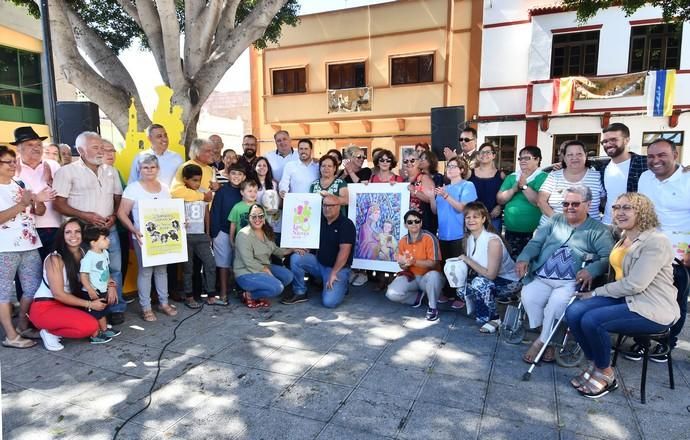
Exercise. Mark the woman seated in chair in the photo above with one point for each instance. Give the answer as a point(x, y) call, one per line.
point(641, 299)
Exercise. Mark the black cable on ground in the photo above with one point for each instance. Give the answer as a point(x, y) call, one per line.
point(158, 372)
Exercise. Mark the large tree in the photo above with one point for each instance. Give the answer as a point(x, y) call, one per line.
point(194, 43)
point(673, 10)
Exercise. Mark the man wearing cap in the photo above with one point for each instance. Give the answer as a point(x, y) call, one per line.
point(91, 190)
point(168, 161)
point(38, 173)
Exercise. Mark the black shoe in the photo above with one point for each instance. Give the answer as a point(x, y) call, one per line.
point(507, 299)
point(660, 353)
point(294, 299)
point(635, 353)
point(116, 318)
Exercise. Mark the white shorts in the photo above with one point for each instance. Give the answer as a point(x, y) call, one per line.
point(222, 250)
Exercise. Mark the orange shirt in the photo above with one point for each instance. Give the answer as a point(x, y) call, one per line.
point(425, 248)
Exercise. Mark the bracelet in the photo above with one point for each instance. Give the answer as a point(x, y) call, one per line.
point(445, 197)
point(88, 306)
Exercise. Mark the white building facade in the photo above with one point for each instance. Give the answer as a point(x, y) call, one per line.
point(525, 45)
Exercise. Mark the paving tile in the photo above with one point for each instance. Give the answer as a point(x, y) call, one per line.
point(373, 412)
point(335, 432)
point(312, 399)
point(511, 403)
point(275, 424)
point(439, 422)
point(396, 381)
point(339, 369)
point(663, 426)
point(287, 360)
point(453, 391)
point(494, 428)
point(245, 353)
point(596, 418)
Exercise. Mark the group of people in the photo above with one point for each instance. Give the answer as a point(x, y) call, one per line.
point(543, 233)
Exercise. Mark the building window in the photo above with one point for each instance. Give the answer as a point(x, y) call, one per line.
point(575, 54)
point(412, 70)
point(505, 147)
point(290, 81)
point(677, 137)
point(346, 76)
point(591, 141)
point(655, 47)
point(21, 92)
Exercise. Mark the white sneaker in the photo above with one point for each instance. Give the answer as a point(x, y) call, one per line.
point(360, 280)
point(352, 277)
point(50, 341)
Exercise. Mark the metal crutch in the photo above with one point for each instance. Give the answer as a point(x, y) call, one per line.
point(588, 258)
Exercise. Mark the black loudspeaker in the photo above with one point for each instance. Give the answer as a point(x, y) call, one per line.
point(75, 117)
point(446, 125)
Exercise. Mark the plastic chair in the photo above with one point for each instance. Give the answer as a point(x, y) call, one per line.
point(681, 280)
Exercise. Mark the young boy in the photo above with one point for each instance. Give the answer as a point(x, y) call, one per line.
point(198, 241)
point(223, 202)
point(239, 216)
point(95, 275)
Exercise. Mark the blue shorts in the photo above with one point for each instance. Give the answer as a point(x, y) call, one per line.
point(222, 250)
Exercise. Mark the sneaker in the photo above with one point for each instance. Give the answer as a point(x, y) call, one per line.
point(111, 333)
point(660, 353)
point(360, 279)
point(507, 299)
point(352, 277)
point(294, 299)
point(635, 353)
point(442, 299)
point(457, 304)
point(50, 341)
point(100, 338)
point(418, 301)
point(431, 314)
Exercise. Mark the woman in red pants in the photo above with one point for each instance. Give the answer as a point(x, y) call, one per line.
point(56, 310)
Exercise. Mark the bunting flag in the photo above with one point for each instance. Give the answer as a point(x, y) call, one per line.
point(562, 95)
point(661, 90)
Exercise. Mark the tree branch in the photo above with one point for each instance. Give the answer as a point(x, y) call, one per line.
point(130, 9)
point(227, 22)
point(151, 25)
point(170, 32)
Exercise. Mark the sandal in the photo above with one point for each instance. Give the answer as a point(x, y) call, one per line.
point(263, 302)
point(148, 315)
point(248, 301)
point(28, 333)
point(598, 385)
point(217, 302)
point(490, 327)
point(457, 304)
point(583, 377)
point(549, 355)
point(18, 342)
point(191, 304)
point(532, 352)
point(167, 309)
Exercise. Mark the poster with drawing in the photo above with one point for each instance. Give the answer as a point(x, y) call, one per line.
point(165, 238)
point(377, 211)
point(301, 227)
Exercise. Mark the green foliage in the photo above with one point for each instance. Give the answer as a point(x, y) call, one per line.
point(117, 29)
point(673, 10)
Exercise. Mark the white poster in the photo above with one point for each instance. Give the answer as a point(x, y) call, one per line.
point(163, 227)
point(301, 227)
point(377, 210)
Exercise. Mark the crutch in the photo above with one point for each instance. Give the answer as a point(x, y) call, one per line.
point(588, 258)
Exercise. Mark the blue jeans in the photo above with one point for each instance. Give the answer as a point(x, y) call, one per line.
point(591, 320)
point(307, 263)
point(115, 254)
point(263, 285)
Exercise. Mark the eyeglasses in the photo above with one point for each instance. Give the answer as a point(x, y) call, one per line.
point(573, 204)
point(624, 208)
point(610, 140)
point(485, 152)
point(257, 217)
point(360, 157)
point(413, 222)
point(465, 140)
point(9, 162)
point(410, 160)
point(451, 167)
point(385, 160)
point(524, 158)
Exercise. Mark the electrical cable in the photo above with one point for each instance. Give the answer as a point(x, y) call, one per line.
point(158, 371)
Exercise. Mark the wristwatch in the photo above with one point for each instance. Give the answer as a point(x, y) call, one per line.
point(523, 187)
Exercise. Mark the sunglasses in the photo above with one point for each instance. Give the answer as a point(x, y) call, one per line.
point(524, 158)
point(385, 160)
point(413, 222)
point(359, 157)
point(257, 217)
point(465, 140)
point(412, 160)
point(9, 162)
point(573, 204)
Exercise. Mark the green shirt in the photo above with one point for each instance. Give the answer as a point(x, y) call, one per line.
point(334, 189)
point(239, 215)
point(519, 215)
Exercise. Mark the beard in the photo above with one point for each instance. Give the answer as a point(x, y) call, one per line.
point(249, 154)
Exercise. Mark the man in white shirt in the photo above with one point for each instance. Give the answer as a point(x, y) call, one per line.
point(168, 161)
point(283, 154)
point(91, 190)
point(623, 171)
point(668, 186)
point(300, 174)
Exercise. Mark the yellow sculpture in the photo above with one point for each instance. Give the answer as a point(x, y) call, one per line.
point(165, 114)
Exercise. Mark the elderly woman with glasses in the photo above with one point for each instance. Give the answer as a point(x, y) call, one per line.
point(421, 192)
point(641, 297)
point(353, 169)
point(552, 264)
point(519, 194)
point(419, 258)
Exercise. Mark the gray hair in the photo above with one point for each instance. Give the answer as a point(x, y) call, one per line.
point(582, 191)
point(352, 151)
point(196, 146)
point(84, 136)
point(150, 159)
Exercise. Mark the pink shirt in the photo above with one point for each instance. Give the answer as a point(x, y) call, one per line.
point(38, 178)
